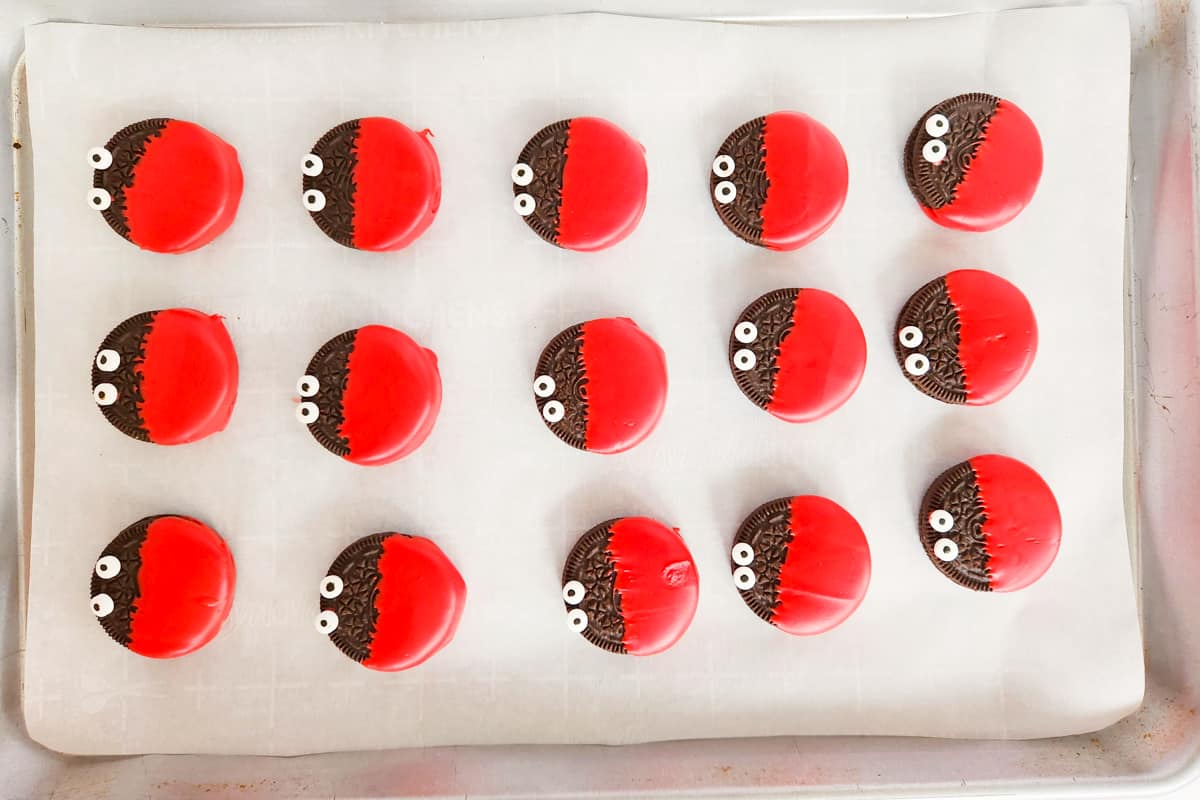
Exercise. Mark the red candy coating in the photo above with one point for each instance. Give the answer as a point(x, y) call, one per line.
point(185, 191)
point(392, 397)
point(1001, 178)
point(828, 567)
point(186, 582)
point(627, 384)
point(188, 378)
point(603, 185)
point(820, 364)
point(1023, 527)
point(398, 184)
point(808, 176)
point(657, 583)
point(997, 333)
point(420, 602)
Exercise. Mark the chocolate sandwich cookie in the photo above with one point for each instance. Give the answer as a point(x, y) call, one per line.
point(167, 377)
point(797, 353)
point(973, 162)
point(990, 524)
point(164, 586)
point(580, 183)
point(801, 563)
point(166, 185)
point(370, 395)
point(779, 181)
point(372, 183)
point(966, 337)
point(390, 601)
point(630, 586)
point(601, 385)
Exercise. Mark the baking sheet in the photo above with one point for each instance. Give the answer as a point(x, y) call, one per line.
point(502, 496)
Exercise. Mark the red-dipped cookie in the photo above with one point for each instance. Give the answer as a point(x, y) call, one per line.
point(630, 586)
point(801, 563)
point(370, 395)
point(166, 185)
point(390, 601)
point(372, 184)
point(168, 377)
point(973, 162)
point(601, 385)
point(779, 181)
point(798, 353)
point(164, 586)
point(966, 337)
point(580, 183)
point(990, 524)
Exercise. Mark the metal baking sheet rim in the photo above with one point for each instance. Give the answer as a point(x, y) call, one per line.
point(25, 419)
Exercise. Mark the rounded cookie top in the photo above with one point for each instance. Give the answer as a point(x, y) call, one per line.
point(630, 586)
point(164, 586)
point(580, 183)
point(166, 185)
point(973, 161)
point(779, 181)
point(990, 524)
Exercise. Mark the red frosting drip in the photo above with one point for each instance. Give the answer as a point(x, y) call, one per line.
point(189, 376)
point(186, 189)
point(828, 567)
point(392, 397)
point(1023, 526)
point(808, 177)
point(603, 185)
point(626, 384)
point(997, 333)
point(185, 587)
point(656, 581)
point(821, 361)
point(1000, 179)
point(420, 601)
point(398, 184)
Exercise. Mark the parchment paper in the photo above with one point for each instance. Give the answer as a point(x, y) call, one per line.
point(502, 496)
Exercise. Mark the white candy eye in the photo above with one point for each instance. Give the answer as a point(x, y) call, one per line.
point(312, 165)
point(725, 191)
point(308, 386)
point(314, 200)
point(108, 567)
point(743, 554)
point(99, 199)
point(945, 549)
point(911, 336)
point(307, 412)
point(934, 151)
point(937, 125)
point(524, 204)
point(941, 520)
point(744, 578)
point(553, 411)
point(544, 386)
point(577, 620)
point(573, 592)
point(746, 332)
point(102, 605)
point(744, 359)
point(916, 365)
point(99, 158)
point(331, 587)
point(108, 360)
point(327, 622)
point(105, 394)
point(522, 174)
point(723, 166)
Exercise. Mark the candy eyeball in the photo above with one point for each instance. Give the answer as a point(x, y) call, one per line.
point(331, 587)
point(99, 158)
point(108, 567)
point(312, 165)
point(745, 359)
point(108, 360)
point(937, 125)
point(573, 592)
point(326, 622)
point(99, 199)
point(553, 411)
point(105, 394)
point(544, 386)
point(522, 174)
point(744, 578)
point(307, 412)
point(743, 554)
point(941, 520)
point(577, 620)
point(746, 332)
point(314, 200)
point(945, 549)
point(934, 151)
point(725, 192)
point(102, 605)
point(911, 336)
point(524, 204)
point(308, 386)
point(723, 166)
point(916, 365)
